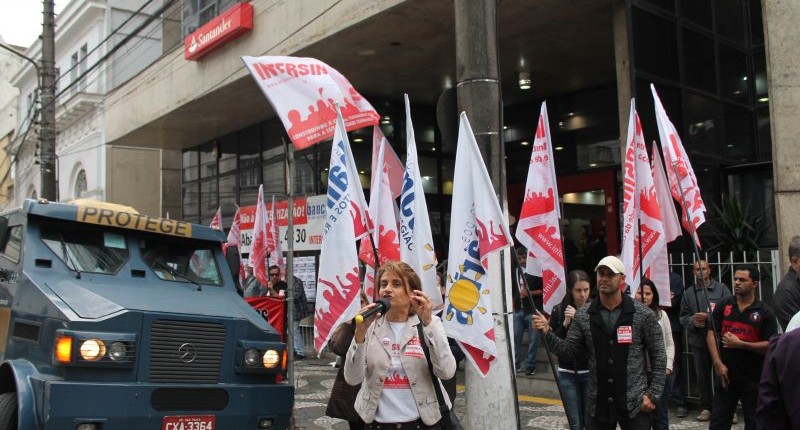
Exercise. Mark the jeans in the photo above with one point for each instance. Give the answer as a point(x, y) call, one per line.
point(702, 368)
point(522, 322)
point(725, 400)
point(661, 414)
point(575, 392)
point(678, 392)
point(299, 344)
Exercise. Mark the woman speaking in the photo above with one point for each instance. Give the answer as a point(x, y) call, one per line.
point(387, 358)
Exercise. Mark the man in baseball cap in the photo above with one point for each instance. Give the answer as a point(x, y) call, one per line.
point(617, 335)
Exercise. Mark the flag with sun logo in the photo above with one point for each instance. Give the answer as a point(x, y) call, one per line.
point(338, 283)
point(477, 228)
point(416, 240)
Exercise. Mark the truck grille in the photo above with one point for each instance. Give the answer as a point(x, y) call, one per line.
point(186, 351)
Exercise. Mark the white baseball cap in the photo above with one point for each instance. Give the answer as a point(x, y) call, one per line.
point(613, 263)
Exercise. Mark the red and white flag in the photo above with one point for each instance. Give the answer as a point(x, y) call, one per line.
point(385, 235)
point(538, 225)
point(362, 222)
point(679, 170)
point(235, 233)
point(304, 91)
point(338, 283)
point(477, 228)
point(669, 218)
point(391, 161)
point(235, 239)
point(258, 251)
point(274, 247)
point(643, 252)
point(216, 220)
point(416, 241)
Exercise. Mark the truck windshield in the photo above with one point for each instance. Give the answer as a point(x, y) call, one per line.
point(181, 261)
point(85, 250)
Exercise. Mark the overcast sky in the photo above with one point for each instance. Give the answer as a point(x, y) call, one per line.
point(21, 20)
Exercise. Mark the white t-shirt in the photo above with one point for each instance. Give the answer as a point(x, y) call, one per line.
point(397, 404)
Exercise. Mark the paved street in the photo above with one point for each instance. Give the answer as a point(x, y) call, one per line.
point(315, 379)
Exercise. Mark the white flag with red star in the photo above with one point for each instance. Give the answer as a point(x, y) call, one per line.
point(477, 228)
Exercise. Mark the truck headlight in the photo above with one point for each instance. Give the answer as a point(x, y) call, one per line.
point(252, 357)
point(92, 349)
point(117, 351)
point(271, 359)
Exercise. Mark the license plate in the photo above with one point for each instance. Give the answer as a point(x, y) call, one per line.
point(189, 422)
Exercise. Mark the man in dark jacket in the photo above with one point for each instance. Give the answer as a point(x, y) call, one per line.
point(619, 337)
point(300, 307)
point(787, 296)
point(694, 314)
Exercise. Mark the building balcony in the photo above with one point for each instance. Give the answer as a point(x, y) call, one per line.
point(74, 106)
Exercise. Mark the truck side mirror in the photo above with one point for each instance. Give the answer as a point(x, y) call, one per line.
point(233, 259)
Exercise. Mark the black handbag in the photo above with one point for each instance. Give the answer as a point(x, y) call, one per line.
point(449, 419)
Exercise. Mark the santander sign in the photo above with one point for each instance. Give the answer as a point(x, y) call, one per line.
point(227, 26)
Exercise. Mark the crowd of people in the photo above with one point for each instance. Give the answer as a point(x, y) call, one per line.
point(619, 357)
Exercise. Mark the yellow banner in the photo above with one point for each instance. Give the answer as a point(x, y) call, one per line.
point(133, 221)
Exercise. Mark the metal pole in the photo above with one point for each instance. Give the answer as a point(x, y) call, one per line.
point(478, 90)
point(47, 149)
point(290, 323)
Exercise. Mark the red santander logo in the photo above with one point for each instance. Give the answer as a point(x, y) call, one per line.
point(227, 26)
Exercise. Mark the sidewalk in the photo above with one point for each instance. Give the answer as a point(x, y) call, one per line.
point(537, 411)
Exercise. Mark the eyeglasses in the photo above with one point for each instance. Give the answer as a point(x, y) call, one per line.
point(274, 274)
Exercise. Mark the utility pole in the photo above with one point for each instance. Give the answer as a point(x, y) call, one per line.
point(490, 402)
point(47, 150)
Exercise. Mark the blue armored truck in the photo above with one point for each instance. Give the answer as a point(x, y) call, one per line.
point(113, 320)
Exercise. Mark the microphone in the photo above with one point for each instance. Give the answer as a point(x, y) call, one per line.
point(381, 306)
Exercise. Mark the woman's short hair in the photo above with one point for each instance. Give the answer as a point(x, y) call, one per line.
point(403, 270)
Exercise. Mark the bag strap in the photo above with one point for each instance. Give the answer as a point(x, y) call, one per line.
point(443, 409)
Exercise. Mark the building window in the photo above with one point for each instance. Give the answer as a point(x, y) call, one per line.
point(80, 184)
point(195, 13)
point(82, 60)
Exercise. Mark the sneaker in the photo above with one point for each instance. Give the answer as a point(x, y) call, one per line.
point(704, 416)
point(299, 357)
point(530, 372)
point(682, 412)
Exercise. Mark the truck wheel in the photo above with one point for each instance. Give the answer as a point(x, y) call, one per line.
point(8, 411)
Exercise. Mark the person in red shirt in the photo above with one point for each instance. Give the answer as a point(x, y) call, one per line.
point(744, 324)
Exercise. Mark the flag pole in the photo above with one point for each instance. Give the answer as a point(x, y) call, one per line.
point(290, 322)
point(693, 234)
point(641, 257)
point(520, 273)
point(375, 267)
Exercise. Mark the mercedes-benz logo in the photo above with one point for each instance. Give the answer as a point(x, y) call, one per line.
point(187, 353)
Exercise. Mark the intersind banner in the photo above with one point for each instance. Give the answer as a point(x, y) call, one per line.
point(228, 26)
point(309, 213)
point(305, 92)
